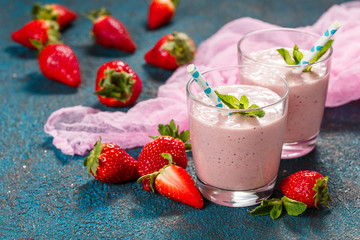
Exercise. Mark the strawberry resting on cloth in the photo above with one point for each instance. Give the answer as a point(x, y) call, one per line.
point(76, 129)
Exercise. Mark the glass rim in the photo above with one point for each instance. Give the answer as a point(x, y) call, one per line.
point(321, 60)
point(194, 98)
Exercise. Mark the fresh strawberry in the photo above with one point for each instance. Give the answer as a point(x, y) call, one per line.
point(161, 12)
point(170, 142)
point(302, 190)
point(171, 51)
point(306, 186)
point(109, 163)
point(58, 62)
point(55, 12)
point(175, 183)
point(110, 32)
point(117, 85)
point(39, 30)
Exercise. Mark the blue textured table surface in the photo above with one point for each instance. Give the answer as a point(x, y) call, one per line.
point(47, 195)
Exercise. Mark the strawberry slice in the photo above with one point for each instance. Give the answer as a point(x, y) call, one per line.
point(170, 141)
point(175, 183)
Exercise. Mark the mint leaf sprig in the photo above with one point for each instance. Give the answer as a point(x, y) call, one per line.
point(234, 103)
point(297, 55)
point(274, 207)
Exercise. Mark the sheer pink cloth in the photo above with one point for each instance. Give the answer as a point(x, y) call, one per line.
point(76, 129)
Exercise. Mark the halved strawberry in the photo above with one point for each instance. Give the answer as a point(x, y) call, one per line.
point(175, 183)
point(170, 142)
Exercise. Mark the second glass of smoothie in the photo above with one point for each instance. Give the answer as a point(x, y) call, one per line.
point(308, 89)
point(237, 156)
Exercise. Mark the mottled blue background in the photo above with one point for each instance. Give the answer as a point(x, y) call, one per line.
point(47, 195)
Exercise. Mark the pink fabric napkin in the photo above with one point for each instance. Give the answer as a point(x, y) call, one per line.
point(76, 129)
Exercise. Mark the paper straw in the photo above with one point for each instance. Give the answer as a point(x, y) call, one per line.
point(204, 85)
point(319, 44)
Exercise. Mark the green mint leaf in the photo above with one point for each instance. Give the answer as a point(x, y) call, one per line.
point(276, 211)
point(259, 113)
point(261, 210)
point(320, 54)
point(233, 103)
point(286, 56)
point(244, 102)
point(272, 201)
point(326, 47)
point(272, 207)
point(230, 101)
point(297, 54)
point(293, 207)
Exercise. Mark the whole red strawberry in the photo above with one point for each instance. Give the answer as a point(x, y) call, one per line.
point(175, 183)
point(161, 12)
point(109, 163)
point(171, 51)
point(170, 142)
point(55, 12)
point(309, 187)
point(39, 30)
point(58, 62)
point(117, 85)
point(110, 32)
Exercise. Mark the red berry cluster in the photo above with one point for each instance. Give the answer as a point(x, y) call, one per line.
point(117, 85)
point(161, 165)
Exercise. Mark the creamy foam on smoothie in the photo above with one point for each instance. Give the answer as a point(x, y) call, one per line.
point(307, 92)
point(237, 152)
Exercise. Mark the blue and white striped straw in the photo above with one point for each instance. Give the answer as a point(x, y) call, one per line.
point(204, 85)
point(319, 44)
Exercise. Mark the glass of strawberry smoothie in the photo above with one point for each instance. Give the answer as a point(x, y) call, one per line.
point(237, 156)
point(308, 90)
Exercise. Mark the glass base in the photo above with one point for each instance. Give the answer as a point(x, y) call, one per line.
point(298, 149)
point(236, 198)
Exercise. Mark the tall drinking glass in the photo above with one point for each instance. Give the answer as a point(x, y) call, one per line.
point(308, 89)
point(237, 156)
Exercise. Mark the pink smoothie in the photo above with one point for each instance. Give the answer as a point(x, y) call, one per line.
point(307, 93)
point(236, 152)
